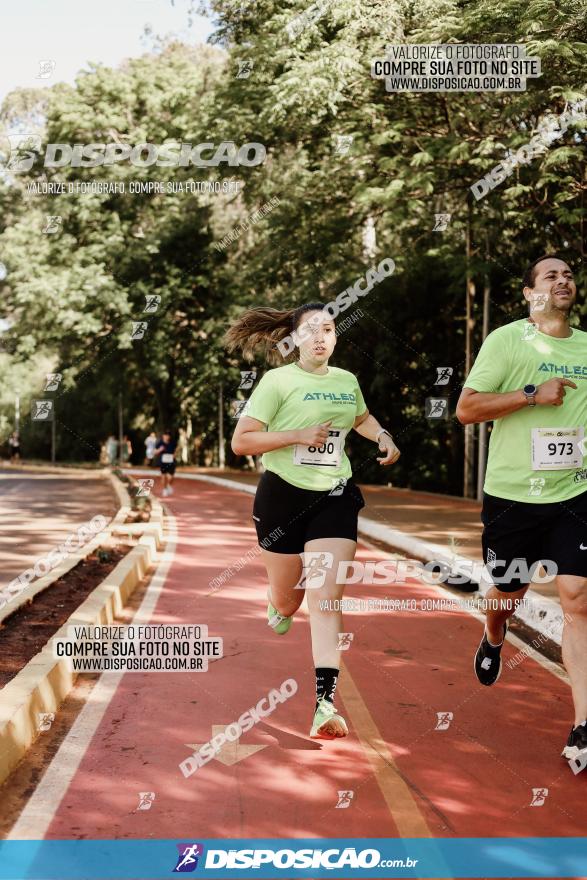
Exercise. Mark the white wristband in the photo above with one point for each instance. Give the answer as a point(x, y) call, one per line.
point(382, 431)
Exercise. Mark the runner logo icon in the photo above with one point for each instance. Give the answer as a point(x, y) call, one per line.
point(444, 719)
point(539, 796)
point(316, 565)
point(187, 861)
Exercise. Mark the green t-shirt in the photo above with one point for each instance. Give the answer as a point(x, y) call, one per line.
point(288, 398)
point(521, 459)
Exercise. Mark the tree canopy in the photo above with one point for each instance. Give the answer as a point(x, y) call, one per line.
point(353, 174)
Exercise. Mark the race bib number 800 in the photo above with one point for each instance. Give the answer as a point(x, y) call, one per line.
point(556, 449)
point(329, 454)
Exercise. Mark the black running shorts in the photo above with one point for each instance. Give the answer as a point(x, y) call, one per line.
point(168, 468)
point(518, 534)
point(286, 516)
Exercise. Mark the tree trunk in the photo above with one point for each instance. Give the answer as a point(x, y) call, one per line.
point(469, 464)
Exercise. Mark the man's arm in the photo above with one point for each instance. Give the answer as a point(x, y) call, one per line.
point(479, 406)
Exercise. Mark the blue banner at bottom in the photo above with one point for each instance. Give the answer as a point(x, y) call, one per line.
point(487, 857)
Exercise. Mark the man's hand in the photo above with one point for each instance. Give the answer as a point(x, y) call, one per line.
point(387, 445)
point(314, 436)
point(552, 393)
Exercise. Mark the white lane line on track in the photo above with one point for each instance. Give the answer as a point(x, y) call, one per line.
point(36, 817)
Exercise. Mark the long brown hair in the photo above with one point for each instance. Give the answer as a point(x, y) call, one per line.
point(262, 328)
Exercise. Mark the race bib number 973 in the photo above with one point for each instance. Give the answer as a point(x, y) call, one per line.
point(329, 454)
point(556, 449)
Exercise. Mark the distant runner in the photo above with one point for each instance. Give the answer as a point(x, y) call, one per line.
point(166, 450)
point(530, 378)
point(14, 444)
point(306, 502)
point(150, 446)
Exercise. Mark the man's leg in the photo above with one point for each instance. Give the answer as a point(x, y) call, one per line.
point(500, 607)
point(573, 595)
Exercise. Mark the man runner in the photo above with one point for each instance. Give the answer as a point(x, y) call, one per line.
point(166, 450)
point(530, 379)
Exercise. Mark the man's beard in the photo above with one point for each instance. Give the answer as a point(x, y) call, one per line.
point(565, 308)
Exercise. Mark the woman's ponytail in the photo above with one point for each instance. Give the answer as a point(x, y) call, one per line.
point(261, 329)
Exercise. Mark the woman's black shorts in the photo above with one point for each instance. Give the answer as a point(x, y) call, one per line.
point(286, 516)
point(168, 468)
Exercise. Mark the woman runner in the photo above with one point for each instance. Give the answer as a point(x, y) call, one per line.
point(306, 502)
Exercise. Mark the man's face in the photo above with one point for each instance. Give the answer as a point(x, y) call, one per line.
point(554, 289)
point(166, 438)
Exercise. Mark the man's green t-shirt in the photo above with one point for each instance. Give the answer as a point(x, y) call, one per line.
point(526, 463)
point(289, 398)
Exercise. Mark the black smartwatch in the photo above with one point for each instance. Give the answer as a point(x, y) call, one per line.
point(530, 394)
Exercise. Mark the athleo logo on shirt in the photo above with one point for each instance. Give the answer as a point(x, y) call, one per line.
point(563, 369)
point(323, 395)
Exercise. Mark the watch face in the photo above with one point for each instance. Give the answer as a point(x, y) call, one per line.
point(530, 389)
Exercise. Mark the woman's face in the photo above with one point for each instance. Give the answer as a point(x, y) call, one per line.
point(317, 336)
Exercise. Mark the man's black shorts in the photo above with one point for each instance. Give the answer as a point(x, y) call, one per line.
point(168, 468)
point(286, 516)
point(518, 534)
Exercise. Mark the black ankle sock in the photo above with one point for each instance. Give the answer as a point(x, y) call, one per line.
point(326, 679)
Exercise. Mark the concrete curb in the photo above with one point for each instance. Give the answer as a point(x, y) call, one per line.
point(542, 614)
point(15, 599)
point(42, 685)
point(27, 593)
point(120, 489)
point(45, 681)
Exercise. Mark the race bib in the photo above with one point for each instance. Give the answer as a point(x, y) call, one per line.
point(555, 449)
point(167, 458)
point(327, 455)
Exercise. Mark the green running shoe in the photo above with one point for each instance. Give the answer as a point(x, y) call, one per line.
point(328, 724)
point(277, 621)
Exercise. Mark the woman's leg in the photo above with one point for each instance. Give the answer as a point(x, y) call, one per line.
point(326, 622)
point(283, 572)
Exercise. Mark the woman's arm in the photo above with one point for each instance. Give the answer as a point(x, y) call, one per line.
point(367, 426)
point(251, 438)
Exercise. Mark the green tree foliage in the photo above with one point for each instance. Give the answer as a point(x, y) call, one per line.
point(324, 214)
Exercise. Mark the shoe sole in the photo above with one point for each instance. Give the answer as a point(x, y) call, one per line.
point(277, 632)
point(496, 679)
point(276, 627)
point(571, 752)
point(329, 729)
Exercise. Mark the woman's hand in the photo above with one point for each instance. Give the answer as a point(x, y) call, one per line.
point(314, 436)
point(391, 451)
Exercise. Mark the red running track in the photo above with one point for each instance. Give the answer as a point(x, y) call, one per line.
point(474, 778)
